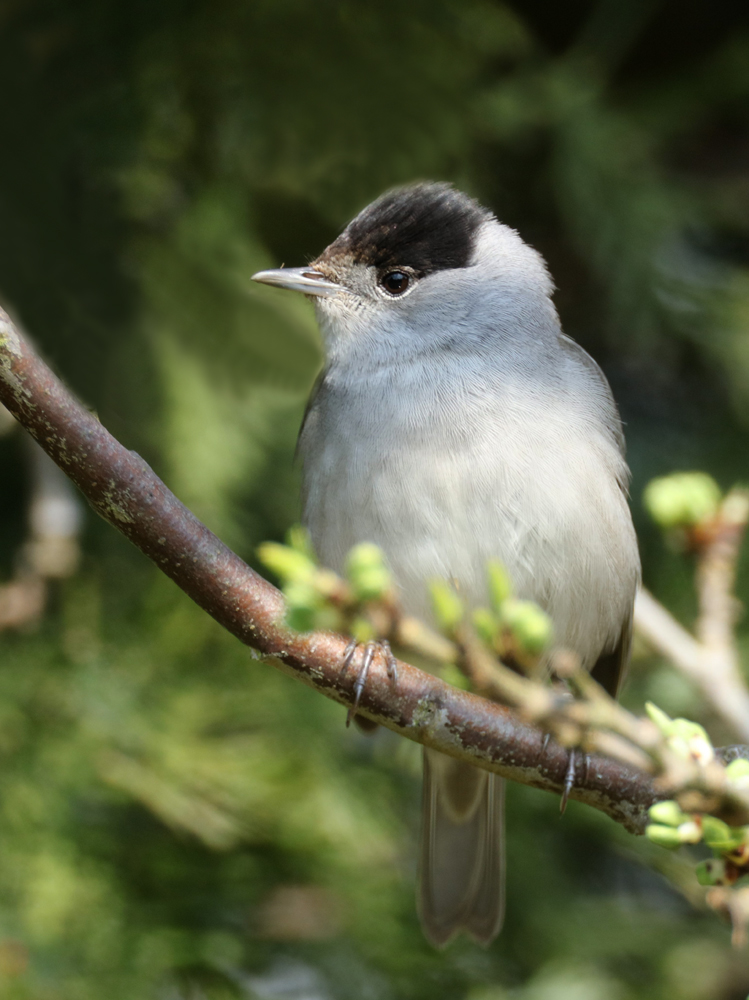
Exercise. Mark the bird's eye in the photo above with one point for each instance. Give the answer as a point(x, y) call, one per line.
point(395, 282)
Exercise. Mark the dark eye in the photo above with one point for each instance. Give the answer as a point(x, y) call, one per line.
point(395, 282)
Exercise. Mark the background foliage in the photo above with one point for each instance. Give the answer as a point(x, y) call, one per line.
point(176, 819)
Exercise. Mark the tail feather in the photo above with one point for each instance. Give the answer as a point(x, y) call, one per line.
point(461, 878)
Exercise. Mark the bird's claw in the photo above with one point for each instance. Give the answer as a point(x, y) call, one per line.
point(368, 654)
point(570, 776)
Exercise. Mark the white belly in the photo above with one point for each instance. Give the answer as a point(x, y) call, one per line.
point(538, 492)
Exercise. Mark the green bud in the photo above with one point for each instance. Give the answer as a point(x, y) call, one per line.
point(485, 624)
point(448, 608)
point(500, 584)
point(725, 846)
point(362, 630)
point(288, 564)
point(367, 573)
point(687, 739)
point(717, 834)
point(667, 813)
point(530, 626)
point(659, 717)
point(297, 538)
point(687, 730)
point(663, 836)
point(711, 872)
point(682, 500)
point(737, 772)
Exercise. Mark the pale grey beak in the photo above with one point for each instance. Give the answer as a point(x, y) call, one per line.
point(298, 279)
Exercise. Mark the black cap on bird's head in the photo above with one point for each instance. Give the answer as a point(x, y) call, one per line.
point(420, 229)
point(425, 227)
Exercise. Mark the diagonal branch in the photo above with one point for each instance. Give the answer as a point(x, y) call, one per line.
point(125, 492)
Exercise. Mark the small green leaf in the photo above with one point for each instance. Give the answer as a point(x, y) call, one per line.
point(530, 626)
point(288, 564)
point(659, 717)
point(500, 584)
point(367, 573)
point(485, 624)
point(297, 538)
point(716, 832)
point(448, 608)
point(362, 630)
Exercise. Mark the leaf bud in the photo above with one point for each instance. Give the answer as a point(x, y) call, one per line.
point(530, 626)
point(719, 835)
point(711, 872)
point(682, 500)
point(297, 538)
point(687, 739)
point(737, 773)
point(288, 564)
point(500, 584)
point(659, 717)
point(367, 573)
point(485, 624)
point(667, 813)
point(362, 630)
point(447, 606)
point(663, 836)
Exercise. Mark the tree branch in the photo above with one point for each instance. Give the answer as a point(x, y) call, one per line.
point(125, 492)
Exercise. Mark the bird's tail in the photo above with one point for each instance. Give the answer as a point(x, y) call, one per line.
point(462, 869)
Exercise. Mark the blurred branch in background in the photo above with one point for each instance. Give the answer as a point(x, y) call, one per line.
point(51, 550)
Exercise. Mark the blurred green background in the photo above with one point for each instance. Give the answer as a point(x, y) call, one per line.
point(177, 820)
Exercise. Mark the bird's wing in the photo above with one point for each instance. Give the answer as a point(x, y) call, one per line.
point(611, 667)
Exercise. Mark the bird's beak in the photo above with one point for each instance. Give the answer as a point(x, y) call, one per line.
point(298, 279)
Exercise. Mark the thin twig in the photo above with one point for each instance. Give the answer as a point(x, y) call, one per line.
point(711, 660)
point(50, 550)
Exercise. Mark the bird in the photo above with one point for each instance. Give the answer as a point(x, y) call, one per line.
point(454, 423)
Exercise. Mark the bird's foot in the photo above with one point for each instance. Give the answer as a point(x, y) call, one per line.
point(571, 775)
point(368, 654)
point(571, 772)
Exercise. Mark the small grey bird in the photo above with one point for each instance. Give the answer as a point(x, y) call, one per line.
point(454, 423)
